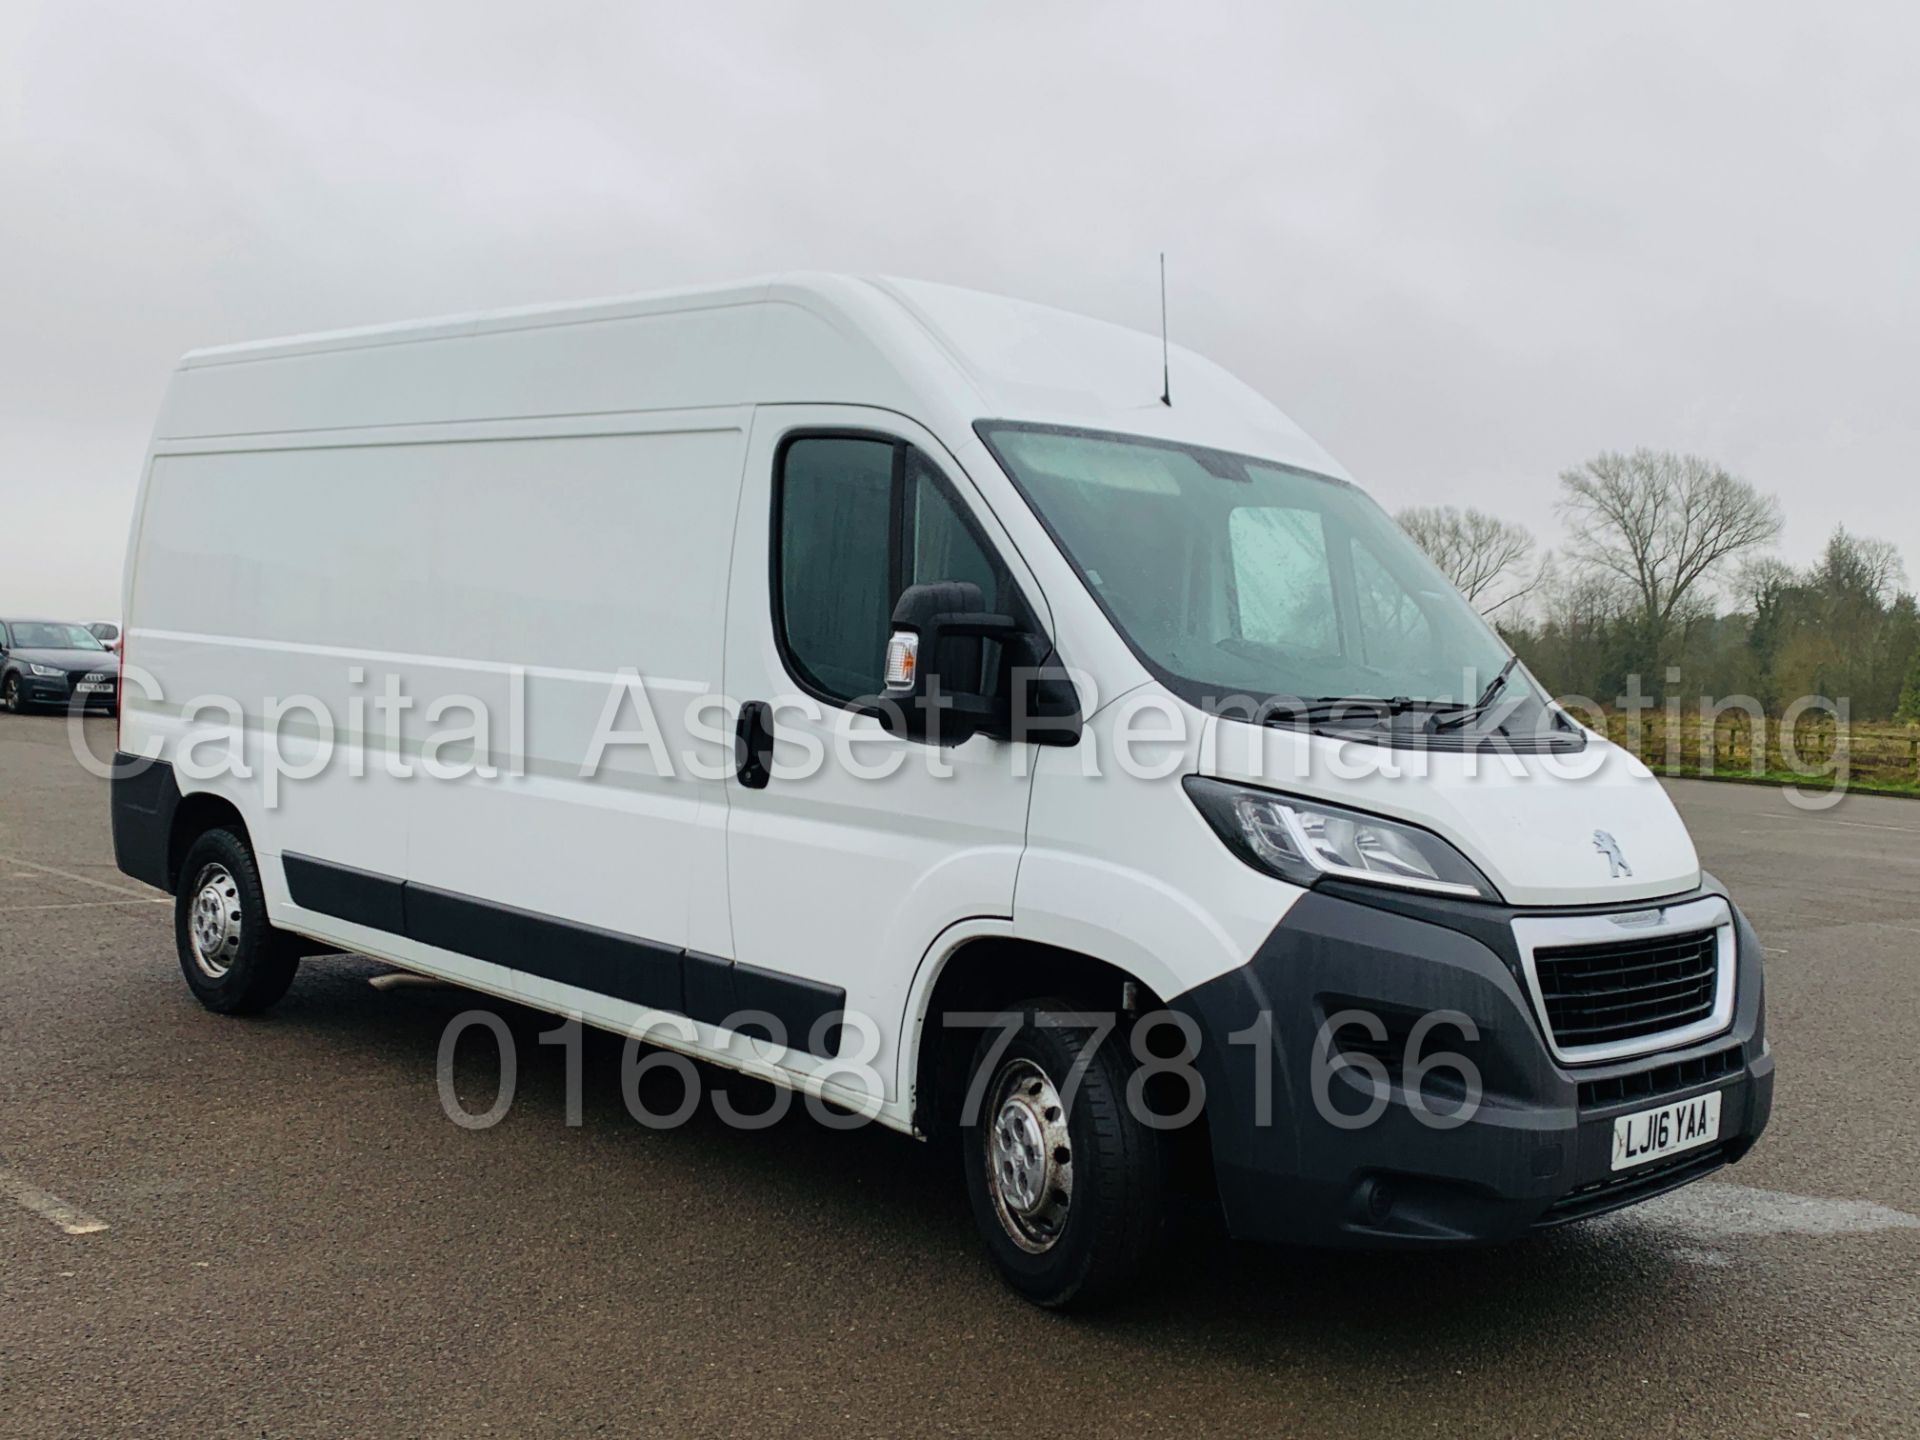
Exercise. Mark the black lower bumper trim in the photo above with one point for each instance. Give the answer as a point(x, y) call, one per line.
point(1630, 1189)
point(143, 796)
point(1534, 1151)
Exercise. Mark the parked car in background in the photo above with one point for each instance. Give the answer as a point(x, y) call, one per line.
point(107, 633)
point(55, 662)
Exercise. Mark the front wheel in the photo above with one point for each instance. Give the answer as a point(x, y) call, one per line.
point(1067, 1184)
point(10, 696)
point(234, 961)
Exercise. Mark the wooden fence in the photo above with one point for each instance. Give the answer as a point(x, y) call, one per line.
point(1816, 751)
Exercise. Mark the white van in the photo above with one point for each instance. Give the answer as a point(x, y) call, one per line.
point(892, 692)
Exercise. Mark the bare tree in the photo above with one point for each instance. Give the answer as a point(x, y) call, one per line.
point(1489, 560)
point(1664, 524)
point(1761, 580)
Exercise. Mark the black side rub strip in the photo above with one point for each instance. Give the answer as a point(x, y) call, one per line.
point(800, 1006)
point(346, 893)
point(625, 967)
point(603, 961)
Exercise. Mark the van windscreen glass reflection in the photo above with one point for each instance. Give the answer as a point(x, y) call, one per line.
point(1232, 576)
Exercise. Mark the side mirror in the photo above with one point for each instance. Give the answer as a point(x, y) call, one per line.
point(933, 671)
point(938, 687)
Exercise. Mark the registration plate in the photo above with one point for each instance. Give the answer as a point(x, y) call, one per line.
point(1666, 1130)
point(92, 687)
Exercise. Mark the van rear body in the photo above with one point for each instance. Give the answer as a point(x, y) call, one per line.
point(832, 679)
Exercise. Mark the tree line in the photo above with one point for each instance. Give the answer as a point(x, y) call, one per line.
point(1668, 576)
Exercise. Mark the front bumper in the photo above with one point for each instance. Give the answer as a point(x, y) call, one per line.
point(1291, 1162)
point(58, 690)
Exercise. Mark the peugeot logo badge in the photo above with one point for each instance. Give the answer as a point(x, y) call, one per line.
point(1617, 865)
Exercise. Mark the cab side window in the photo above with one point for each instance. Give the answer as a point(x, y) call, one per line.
point(834, 555)
point(856, 521)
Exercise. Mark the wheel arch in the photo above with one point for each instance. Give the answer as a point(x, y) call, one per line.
point(193, 817)
point(986, 969)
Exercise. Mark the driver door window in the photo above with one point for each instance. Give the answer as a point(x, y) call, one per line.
point(858, 520)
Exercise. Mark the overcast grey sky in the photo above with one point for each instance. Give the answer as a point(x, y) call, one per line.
point(1464, 244)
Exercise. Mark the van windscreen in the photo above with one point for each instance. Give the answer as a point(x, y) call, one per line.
point(1232, 576)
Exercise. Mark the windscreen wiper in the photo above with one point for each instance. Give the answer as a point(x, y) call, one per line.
point(1340, 707)
point(1455, 719)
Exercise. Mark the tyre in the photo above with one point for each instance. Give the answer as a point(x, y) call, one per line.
point(10, 700)
point(1070, 1199)
point(234, 961)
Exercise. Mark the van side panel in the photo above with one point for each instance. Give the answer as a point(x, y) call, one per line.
point(497, 587)
point(598, 564)
point(262, 580)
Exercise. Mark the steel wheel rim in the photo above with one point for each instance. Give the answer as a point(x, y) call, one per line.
point(213, 921)
point(1028, 1156)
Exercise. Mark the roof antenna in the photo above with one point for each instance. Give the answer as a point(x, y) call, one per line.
point(1166, 373)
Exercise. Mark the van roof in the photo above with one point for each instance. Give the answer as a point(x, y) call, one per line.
point(937, 352)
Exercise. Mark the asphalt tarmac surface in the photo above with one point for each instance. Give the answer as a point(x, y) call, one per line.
point(297, 1241)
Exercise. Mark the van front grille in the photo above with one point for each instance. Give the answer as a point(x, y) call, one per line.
point(1627, 989)
point(1640, 1085)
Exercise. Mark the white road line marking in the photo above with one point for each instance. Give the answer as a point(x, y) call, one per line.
point(48, 1207)
point(69, 875)
point(1712, 1259)
point(1701, 1214)
point(84, 905)
point(1855, 824)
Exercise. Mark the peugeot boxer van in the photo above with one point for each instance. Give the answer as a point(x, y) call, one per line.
point(961, 713)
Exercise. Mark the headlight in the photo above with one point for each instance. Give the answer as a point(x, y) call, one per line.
point(46, 672)
point(1304, 840)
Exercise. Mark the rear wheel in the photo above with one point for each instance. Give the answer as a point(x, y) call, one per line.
point(1067, 1184)
point(234, 961)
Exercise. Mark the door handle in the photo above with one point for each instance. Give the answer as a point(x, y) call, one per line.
point(753, 744)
